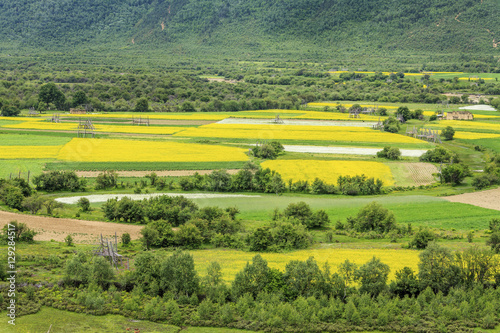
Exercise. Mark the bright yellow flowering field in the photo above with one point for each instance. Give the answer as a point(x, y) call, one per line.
point(31, 152)
point(474, 135)
point(98, 128)
point(295, 132)
point(22, 118)
point(173, 116)
point(470, 125)
point(334, 104)
point(329, 171)
point(115, 150)
point(233, 261)
point(476, 116)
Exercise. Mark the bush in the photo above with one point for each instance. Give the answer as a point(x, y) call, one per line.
point(373, 217)
point(84, 204)
point(126, 239)
point(439, 155)
point(59, 181)
point(422, 239)
point(69, 240)
point(448, 132)
point(391, 153)
point(494, 242)
point(455, 173)
point(21, 232)
point(106, 179)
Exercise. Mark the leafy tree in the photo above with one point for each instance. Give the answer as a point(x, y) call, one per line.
point(77, 271)
point(21, 232)
point(300, 279)
point(126, 239)
point(494, 241)
point(373, 277)
point(189, 236)
point(219, 180)
point(9, 111)
point(49, 93)
point(50, 204)
point(149, 236)
point(101, 272)
point(406, 283)
point(252, 279)
point(79, 98)
point(437, 269)
point(177, 274)
point(476, 265)
point(455, 173)
point(33, 204)
point(347, 271)
point(374, 217)
point(12, 196)
point(59, 181)
point(84, 204)
point(106, 179)
point(142, 105)
point(422, 238)
point(404, 112)
point(438, 155)
point(392, 153)
point(448, 132)
point(68, 240)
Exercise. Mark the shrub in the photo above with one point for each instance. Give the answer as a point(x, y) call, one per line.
point(422, 239)
point(106, 179)
point(448, 132)
point(438, 155)
point(455, 173)
point(69, 240)
point(373, 217)
point(391, 153)
point(126, 239)
point(59, 181)
point(84, 204)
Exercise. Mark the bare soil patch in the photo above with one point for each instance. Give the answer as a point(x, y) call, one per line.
point(164, 173)
point(486, 199)
point(57, 229)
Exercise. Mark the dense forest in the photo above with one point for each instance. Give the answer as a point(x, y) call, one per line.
point(312, 29)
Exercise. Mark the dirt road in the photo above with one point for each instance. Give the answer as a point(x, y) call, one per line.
point(57, 228)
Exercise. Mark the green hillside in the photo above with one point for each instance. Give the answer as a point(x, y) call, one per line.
point(272, 29)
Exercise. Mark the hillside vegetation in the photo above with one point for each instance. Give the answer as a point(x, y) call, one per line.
point(274, 29)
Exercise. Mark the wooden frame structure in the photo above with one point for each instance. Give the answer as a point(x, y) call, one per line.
point(278, 120)
point(424, 134)
point(85, 127)
point(108, 250)
point(140, 121)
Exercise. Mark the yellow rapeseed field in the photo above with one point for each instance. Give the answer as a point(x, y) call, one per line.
point(474, 135)
point(233, 261)
point(469, 125)
point(98, 128)
point(329, 171)
point(115, 150)
point(31, 152)
point(334, 104)
point(169, 116)
point(295, 132)
point(22, 118)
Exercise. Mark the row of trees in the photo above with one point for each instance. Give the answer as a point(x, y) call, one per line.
point(186, 92)
point(450, 291)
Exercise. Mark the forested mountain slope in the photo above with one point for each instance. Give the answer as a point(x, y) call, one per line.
point(278, 27)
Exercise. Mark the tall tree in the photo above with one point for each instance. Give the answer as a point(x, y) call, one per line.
point(49, 93)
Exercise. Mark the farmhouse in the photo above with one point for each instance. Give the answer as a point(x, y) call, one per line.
point(77, 111)
point(459, 115)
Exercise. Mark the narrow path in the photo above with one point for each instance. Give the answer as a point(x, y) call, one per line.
point(81, 231)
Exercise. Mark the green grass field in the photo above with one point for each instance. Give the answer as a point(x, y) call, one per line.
point(142, 166)
point(32, 140)
point(419, 210)
point(35, 167)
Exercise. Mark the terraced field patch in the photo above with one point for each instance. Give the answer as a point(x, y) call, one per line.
point(297, 132)
point(329, 171)
point(116, 150)
point(413, 174)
